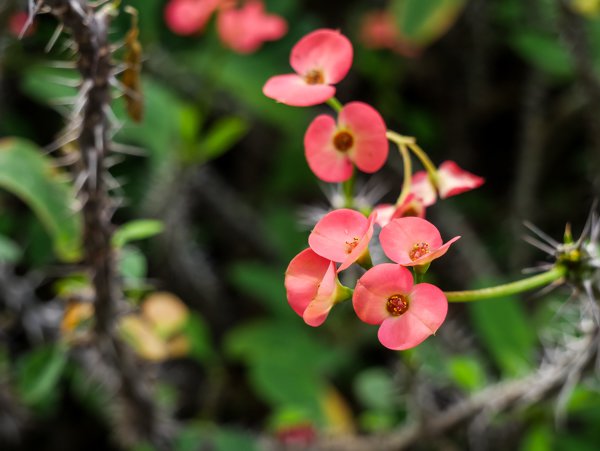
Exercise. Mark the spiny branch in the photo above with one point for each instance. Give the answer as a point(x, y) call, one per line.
point(91, 126)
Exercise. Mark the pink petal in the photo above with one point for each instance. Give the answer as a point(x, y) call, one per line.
point(384, 213)
point(453, 180)
point(303, 276)
point(400, 235)
point(244, 30)
point(317, 311)
point(426, 312)
point(292, 90)
point(323, 158)
point(187, 17)
point(326, 50)
point(334, 234)
point(422, 188)
point(362, 245)
point(375, 287)
point(435, 253)
point(370, 149)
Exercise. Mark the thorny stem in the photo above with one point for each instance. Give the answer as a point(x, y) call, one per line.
point(89, 30)
point(537, 281)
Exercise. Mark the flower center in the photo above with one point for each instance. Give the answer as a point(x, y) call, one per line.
point(350, 245)
point(397, 304)
point(314, 77)
point(343, 141)
point(418, 250)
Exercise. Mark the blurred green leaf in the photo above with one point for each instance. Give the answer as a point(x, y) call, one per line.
point(377, 421)
point(197, 332)
point(375, 389)
point(39, 372)
point(286, 364)
point(537, 438)
point(263, 283)
point(506, 332)
point(132, 265)
point(222, 136)
point(9, 250)
point(136, 230)
point(234, 440)
point(424, 21)
point(543, 52)
point(28, 174)
point(466, 372)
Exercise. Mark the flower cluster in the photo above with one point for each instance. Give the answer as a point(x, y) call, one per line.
point(243, 28)
point(386, 294)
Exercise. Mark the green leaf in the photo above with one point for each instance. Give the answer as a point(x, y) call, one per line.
point(29, 175)
point(543, 52)
point(537, 438)
point(424, 21)
point(263, 283)
point(506, 332)
point(39, 372)
point(9, 251)
point(235, 440)
point(136, 230)
point(223, 135)
point(467, 372)
point(132, 266)
point(375, 389)
point(196, 331)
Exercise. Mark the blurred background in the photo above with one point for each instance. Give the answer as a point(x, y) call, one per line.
point(213, 193)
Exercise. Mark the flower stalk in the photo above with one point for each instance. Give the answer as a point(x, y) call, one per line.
point(558, 272)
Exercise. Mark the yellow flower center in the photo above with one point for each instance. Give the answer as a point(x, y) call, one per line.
point(343, 141)
point(418, 251)
point(397, 304)
point(314, 77)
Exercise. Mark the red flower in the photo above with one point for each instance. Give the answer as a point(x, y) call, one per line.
point(412, 241)
point(321, 59)
point(358, 137)
point(342, 236)
point(245, 29)
point(187, 17)
point(407, 313)
point(311, 286)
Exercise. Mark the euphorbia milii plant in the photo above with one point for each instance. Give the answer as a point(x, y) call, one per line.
point(342, 236)
point(312, 287)
point(321, 59)
point(413, 241)
point(407, 313)
point(357, 138)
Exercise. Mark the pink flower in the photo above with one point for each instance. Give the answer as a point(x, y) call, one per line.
point(358, 137)
point(450, 181)
point(412, 206)
point(408, 313)
point(423, 189)
point(378, 30)
point(187, 17)
point(245, 29)
point(412, 241)
point(311, 286)
point(342, 236)
point(321, 59)
point(453, 180)
point(17, 22)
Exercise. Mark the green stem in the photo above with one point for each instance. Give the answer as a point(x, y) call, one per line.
point(539, 280)
point(335, 104)
point(427, 163)
point(348, 188)
point(407, 174)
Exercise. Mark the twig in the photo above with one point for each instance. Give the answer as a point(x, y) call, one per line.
point(89, 30)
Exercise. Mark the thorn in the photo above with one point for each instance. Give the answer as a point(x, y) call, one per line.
point(538, 244)
point(541, 234)
point(54, 38)
point(128, 150)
